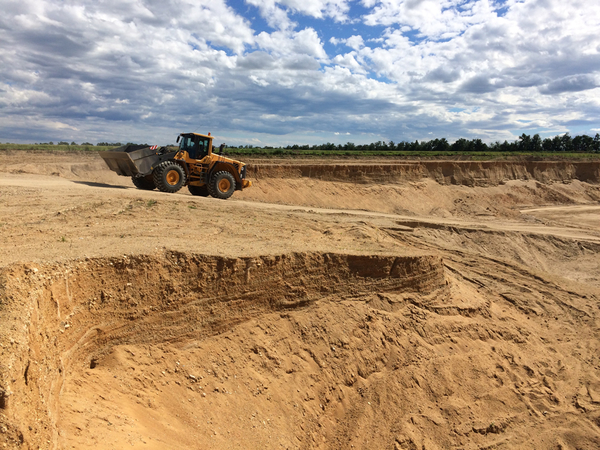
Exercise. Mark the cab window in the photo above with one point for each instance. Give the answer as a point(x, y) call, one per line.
point(187, 145)
point(202, 147)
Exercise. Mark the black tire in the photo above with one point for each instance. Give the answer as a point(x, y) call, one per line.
point(169, 176)
point(222, 185)
point(146, 183)
point(200, 191)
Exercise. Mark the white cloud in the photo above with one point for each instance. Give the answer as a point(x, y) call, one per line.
point(274, 10)
point(286, 43)
point(336, 9)
point(259, 81)
point(432, 18)
point(355, 42)
point(348, 60)
point(275, 16)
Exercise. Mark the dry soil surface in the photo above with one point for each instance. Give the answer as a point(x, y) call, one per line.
point(417, 307)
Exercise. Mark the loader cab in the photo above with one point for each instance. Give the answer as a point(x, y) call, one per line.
point(196, 145)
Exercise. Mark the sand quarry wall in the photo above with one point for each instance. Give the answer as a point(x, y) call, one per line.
point(469, 173)
point(445, 172)
point(56, 319)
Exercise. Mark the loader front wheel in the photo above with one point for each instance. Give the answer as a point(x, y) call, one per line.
point(200, 191)
point(222, 185)
point(146, 183)
point(169, 176)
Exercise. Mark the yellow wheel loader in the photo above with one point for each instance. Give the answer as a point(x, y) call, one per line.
point(168, 169)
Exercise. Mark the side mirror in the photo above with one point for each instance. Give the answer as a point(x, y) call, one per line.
point(221, 147)
point(178, 138)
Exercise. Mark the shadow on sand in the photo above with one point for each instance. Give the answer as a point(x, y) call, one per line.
point(102, 185)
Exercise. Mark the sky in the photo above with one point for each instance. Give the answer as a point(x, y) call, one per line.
point(284, 72)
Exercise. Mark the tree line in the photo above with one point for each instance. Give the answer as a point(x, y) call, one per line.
point(525, 143)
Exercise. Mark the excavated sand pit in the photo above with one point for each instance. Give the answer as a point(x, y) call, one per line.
point(75, 324)
point(304, 350)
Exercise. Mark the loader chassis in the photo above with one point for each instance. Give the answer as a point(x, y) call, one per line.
point(193, 165)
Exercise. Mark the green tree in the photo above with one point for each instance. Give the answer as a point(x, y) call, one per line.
point(478, 146)
point(583, 143)
point(461, 145)
point(566, 143)
point(441, 145)
point(525, 143)
point(536, 143)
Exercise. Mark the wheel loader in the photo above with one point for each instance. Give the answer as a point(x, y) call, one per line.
point(168, 169)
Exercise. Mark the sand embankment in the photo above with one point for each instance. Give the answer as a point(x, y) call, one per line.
point(468, 173)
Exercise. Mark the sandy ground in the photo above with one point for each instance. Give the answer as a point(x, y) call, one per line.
point(300, 313)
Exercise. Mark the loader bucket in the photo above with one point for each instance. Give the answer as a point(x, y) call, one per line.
point(131, 160)
point(120, 162)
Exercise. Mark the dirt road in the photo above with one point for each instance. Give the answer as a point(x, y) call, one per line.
point(305, 312)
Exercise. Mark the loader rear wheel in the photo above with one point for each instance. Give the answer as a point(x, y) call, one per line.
point(201, 191)
point(222, 185)
point(146, 183)
point(169, 176)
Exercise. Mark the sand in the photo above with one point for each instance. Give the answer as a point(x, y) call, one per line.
point(419, 306)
